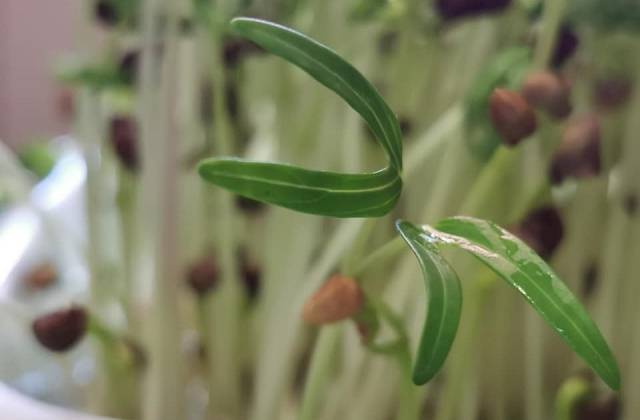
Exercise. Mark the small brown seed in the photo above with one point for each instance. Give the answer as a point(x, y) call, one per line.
point(406, 126)
point(106, 12)
point(567, 43)
point(59, 331)
point(124, 141)
point(612, 93)
point(41, 276)
point(511, 115)
point(249, 205)
point(236, 49)
point(549, 92)
point(251, 276)
point(604, 408)
point(542, 229)
point(387, 42)
point(454, 9)
point(128, 66)
point(337, 299)
point(590, 279)
point(203, 275)
point(578, 155)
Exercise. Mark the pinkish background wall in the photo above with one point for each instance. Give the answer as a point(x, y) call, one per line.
point(33, 34)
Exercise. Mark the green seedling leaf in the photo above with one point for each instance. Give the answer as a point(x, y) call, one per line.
point(443, 307)
point(317, 192)
point(328, 68)
point(506, 70)
point(518, 265)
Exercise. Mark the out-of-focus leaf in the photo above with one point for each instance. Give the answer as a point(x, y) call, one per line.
point(37, 158)
point(506, 70)
point(367, 9)
point(519, 266)
point(317, 192)
point(609, 15)
point(444, 303)
point(94, 76)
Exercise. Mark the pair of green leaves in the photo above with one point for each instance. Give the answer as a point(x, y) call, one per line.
point(317, 192)
point(375, 194)
point(518, 265)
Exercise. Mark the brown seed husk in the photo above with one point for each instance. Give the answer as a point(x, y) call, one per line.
point(542, 229)
point(203, 275)
point(549, 92)
point(61, 330)
point(124, 141)
point(578, 155)
point(338, 299)
point(603, 408)
point(511, 116)
point(612, 93)
point(41, 276)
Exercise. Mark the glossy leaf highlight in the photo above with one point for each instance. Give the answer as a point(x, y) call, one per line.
point(444, 303)
point(518, 265)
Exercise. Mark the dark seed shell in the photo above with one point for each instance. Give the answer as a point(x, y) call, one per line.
point(59, 331)
point(511, 115)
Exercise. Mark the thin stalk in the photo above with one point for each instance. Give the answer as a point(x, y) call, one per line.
point(127, 199)
point(432, 140)
point(629, 339)
point(534, 359)
point(318, 375)
point(484, 189)
point(617, 239)
point(551, 20)
point(626, 303)
point(383, 254)
point(164, 391)
point(90, 128)
point(224, 311)
point(534, 362)
point(279, 350)
point(460, 363)
point(631, 404)
point(409, 400)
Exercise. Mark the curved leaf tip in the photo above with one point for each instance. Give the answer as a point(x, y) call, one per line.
point(331, 70)
point(444, 303)
point(317, 192)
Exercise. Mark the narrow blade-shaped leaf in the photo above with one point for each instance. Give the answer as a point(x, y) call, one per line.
point(316, 192)
point(331, 70)
point(443, 306)
point(517, 264)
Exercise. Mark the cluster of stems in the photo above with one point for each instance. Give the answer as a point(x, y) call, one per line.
point(213, 289)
